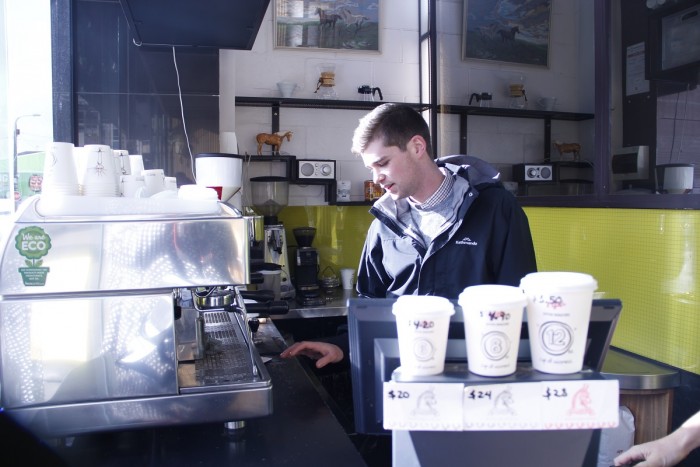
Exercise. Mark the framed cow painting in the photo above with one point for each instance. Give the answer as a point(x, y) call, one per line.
point(513, 31)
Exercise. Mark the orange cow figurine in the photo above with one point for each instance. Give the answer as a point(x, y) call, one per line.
point(273, 139)
point(565, 148)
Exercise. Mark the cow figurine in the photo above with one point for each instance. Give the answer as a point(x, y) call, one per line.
point(565, 148)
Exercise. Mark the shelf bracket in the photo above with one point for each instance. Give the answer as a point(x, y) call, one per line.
point(547, 139)
point(275, 117)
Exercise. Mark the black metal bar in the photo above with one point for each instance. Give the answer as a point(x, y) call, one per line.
point(547, 139)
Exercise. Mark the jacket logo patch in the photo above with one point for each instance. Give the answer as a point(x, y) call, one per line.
point(466, 241)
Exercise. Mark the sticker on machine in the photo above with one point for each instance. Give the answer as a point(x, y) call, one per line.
point(33, 243)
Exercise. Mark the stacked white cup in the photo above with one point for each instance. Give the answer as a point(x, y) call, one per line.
point(99, 177)
point(132, 186)
point(155, 180)
point(60, 173)
point(171, 183)
point(123, 162)
point(136, 164)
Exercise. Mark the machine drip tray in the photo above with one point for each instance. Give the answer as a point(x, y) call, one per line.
point(227, 360)
point(316, 300)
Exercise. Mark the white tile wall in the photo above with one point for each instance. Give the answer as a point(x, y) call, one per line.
point(327, 133)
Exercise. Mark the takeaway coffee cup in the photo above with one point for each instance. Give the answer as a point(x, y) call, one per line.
point(347, 275)
point(493, 316)
point(422, 324)
point(558, 312)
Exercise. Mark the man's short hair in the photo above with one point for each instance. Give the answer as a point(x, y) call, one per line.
point(395, 124)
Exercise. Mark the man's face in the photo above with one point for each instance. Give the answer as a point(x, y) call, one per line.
point(395, 170)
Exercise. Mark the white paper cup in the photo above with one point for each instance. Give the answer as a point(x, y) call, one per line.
point(347, 276)
point(422, 324)
point(155, 180)
point(136, 164)
point(171, 183)
point(121, 158)
point(60, 172)
point(100, 175)
point(493, 317)
point(558, 313)
point(132, 186)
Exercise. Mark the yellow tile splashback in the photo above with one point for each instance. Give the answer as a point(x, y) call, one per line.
point(647, 258)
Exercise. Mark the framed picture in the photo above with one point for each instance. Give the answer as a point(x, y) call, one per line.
point(513, 32)
point(337, 25)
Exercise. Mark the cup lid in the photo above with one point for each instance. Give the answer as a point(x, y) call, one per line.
point(494, 294)
point(423, 304)
point(559, 280)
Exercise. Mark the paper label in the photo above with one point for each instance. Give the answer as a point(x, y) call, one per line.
point(545, 405)
point(423, 406)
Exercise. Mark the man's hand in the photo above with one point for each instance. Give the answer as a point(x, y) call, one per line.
point(323, 352)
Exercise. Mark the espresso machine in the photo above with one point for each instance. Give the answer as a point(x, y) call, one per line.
point(269, 196)
point(123, 313)
point(306, 268)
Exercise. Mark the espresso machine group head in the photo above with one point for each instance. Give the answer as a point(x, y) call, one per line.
point(269, 196)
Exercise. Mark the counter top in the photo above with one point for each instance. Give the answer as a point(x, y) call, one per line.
point(301, 431)
point(336, 305)
point(632, 371)
point(637, 373)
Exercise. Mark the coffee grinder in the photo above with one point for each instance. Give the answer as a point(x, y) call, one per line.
point(269, 196)
point(306, 268)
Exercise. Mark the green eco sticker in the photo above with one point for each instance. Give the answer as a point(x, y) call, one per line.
point(33, 243)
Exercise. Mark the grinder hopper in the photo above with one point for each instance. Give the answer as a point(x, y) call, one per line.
point(269, 196)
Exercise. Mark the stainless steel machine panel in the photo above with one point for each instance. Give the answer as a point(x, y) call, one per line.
point(59, 351)
point(62, 255)
point(93, 329)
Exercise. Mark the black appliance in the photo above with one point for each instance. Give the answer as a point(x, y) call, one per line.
point(221, 24)
point(306, 268)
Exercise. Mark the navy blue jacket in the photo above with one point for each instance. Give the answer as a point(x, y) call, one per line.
point(489, 243)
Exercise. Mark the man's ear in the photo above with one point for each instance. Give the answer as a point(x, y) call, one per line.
point(417, 145)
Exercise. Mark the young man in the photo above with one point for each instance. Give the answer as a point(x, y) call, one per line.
point(441, 226)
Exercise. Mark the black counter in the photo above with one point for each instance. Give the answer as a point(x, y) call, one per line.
point(302, 430)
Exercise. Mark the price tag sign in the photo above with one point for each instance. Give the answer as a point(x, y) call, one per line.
point(423, 406)
point(577, 405)
point(502, 407)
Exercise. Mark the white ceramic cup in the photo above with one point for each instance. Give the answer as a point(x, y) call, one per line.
point(422, 325)
point(558, 313)
point(347, 277)
point(155, 180)
point(493, 317)
point(60, 172)
point(547, 103)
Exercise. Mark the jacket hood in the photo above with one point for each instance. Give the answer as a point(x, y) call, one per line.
point(475, 170)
